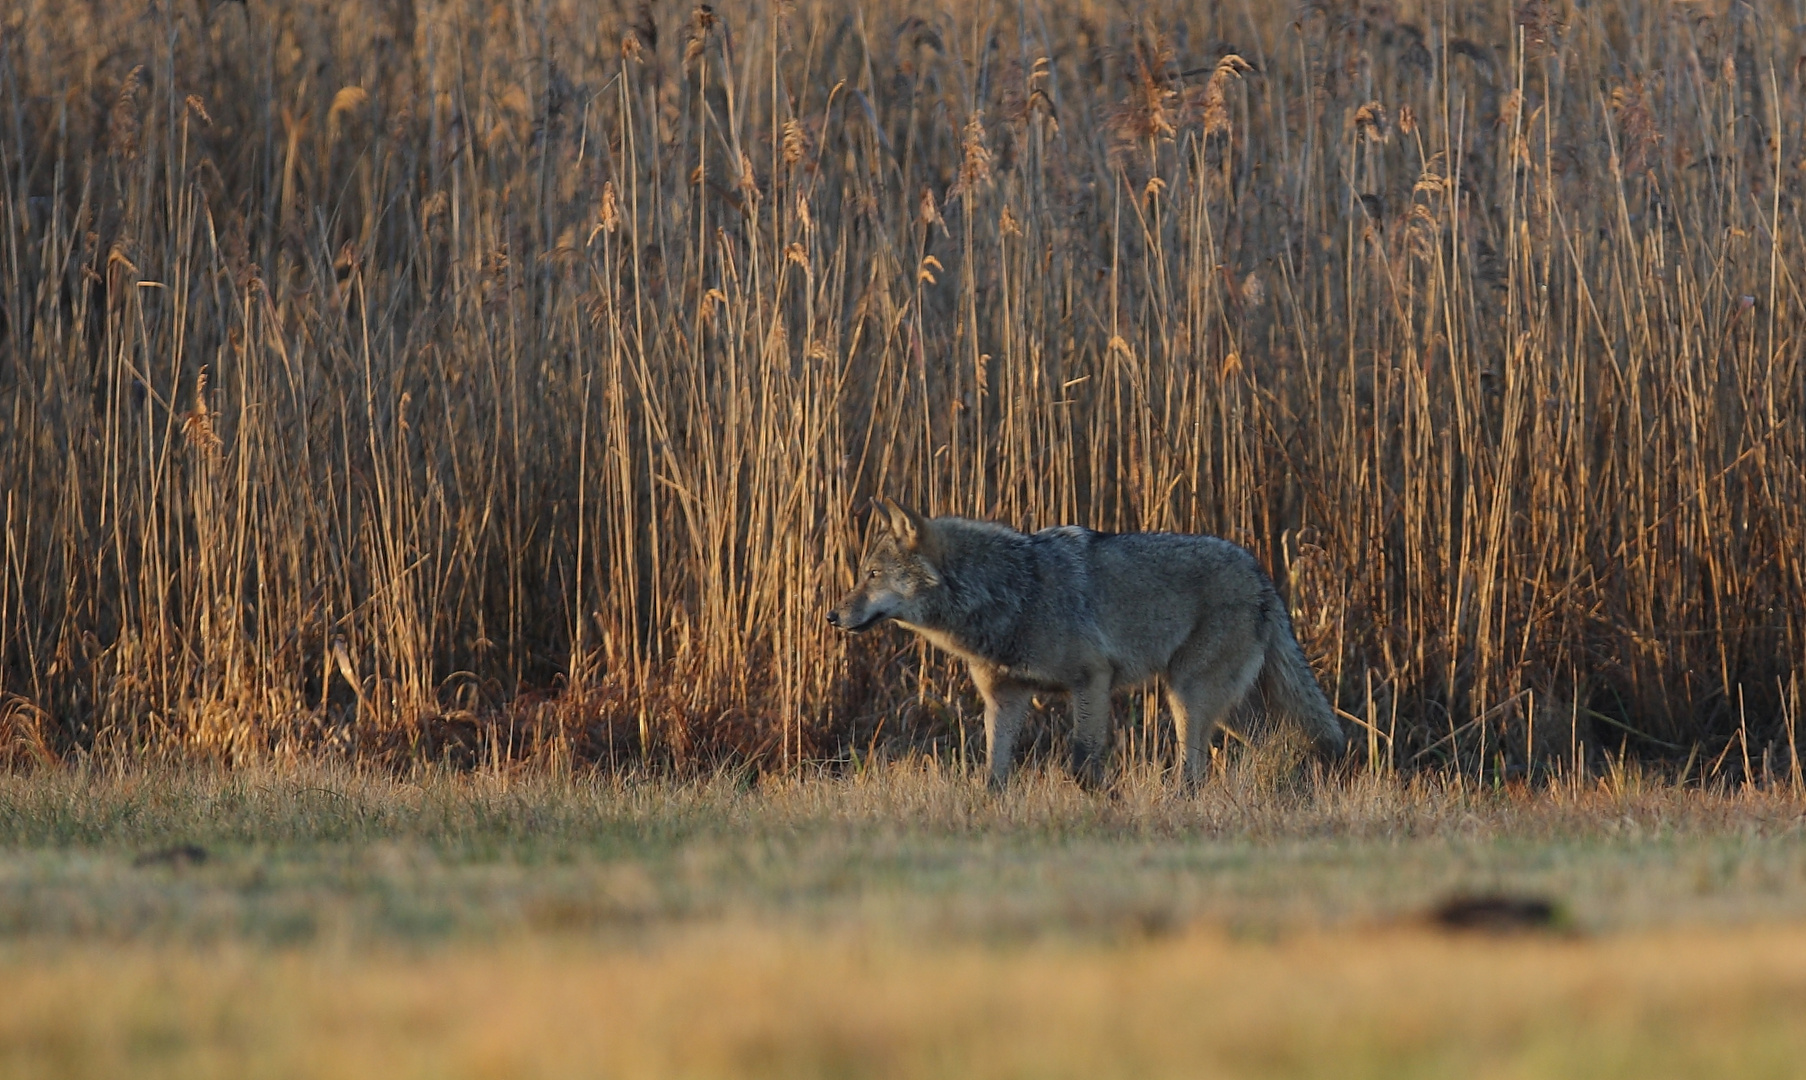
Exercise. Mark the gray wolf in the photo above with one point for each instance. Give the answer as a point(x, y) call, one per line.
point(1069, 609)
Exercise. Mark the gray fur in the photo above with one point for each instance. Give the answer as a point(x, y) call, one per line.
point(1086, 612)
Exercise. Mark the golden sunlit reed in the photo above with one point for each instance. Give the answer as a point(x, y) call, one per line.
point(496, 382)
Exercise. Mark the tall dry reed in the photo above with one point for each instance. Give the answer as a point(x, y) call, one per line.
point(489, 381)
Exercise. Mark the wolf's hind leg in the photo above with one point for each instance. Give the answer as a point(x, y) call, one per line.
point(1005, 706)
point(1091, 730)
point(1201, 699)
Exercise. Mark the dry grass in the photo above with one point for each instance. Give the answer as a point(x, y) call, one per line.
point(735, 1001)
point(501, 381)
point(899, 923)
point(327, 856)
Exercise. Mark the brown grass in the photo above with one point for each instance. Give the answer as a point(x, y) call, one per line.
point(721, 1001)
point(338, 857)
point(506, 381)
point(897, 921)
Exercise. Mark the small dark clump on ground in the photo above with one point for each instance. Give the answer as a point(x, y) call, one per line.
point(1496, 913)
point(179, 856)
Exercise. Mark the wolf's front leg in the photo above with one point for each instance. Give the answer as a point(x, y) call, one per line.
point(1091, 729)
point(1005, 705)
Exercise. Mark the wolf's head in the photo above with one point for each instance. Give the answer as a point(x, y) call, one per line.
point(896, 576)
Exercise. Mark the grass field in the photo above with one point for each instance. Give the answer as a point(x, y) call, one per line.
point(894, 923)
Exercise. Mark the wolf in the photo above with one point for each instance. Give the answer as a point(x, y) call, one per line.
point(1070, 609)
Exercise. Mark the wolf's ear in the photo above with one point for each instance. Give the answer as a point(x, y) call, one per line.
point(905, 524)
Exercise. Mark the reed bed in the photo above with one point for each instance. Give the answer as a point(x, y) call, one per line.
point(505, 382)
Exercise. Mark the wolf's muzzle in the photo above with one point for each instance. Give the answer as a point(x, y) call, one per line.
point(835, 618)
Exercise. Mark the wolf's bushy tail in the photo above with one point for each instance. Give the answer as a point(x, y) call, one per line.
point(1290, 688)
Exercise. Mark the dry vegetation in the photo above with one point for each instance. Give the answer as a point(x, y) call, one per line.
point(909, 849)
point(747, 1003)
point(496, 381)
point(897, 922)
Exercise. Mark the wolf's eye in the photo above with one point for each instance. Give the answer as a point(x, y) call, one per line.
point(871, 575)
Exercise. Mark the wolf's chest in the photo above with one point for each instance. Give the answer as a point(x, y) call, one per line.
point(940, 639)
